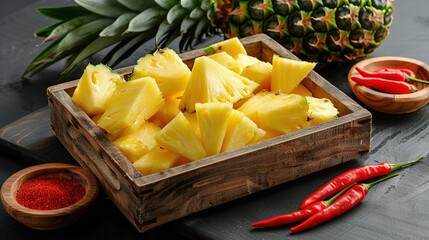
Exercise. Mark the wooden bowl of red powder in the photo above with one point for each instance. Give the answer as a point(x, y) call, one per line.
point(49, 196)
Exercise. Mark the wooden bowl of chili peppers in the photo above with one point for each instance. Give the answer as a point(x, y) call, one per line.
point(393, 85)
point(49, 196)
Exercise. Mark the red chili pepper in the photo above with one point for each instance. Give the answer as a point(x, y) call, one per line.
point(344, 203)
point(298, 215)
point(404, 70)
point(390, 75)
point(383, 85)
point(354, 175)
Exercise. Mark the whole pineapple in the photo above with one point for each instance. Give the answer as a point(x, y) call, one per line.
point(315, 30)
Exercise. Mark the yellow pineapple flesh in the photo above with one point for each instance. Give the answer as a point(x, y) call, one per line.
point(241, 131)
point(212, 82)
point(179, 136)
point(95, 87)
point(321, 110)
point(168, 70)
point(288, 73)
point(157, 160)
point(251, 107)
point(227, 61)
point(285, 113)
point(138, 143)
point(166, 113)
point(232, 46)
point(212, 119)
point(260, 73)
point(131, 104)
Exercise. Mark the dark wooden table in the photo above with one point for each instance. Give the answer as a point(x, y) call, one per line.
point(398, 209)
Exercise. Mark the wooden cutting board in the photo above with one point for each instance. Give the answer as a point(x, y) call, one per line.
point(32, 140)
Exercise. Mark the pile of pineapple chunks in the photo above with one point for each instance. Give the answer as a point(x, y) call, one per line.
point(165, 114)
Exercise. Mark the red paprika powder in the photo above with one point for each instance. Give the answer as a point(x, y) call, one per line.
point(49, 193)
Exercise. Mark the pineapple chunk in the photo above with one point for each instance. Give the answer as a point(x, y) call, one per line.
point(302, 90)
point(131, 104)
point(277, 111)
point(241, 131)
point(138, 143)
point(193, 120)
point(232, 46)
point(212, 82)
point(212, 119)
point(95, 87)
point(167, 113)
point(251, 107)
point(288, 73)
point(157, 160)
point(321, 110)
point(179, 136)
point(227, 61)
point(284, 113)
point(168, 70)
point(234, 64)
point(260, 73)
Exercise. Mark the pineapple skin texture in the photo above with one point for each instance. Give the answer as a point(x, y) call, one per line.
point(95, 87)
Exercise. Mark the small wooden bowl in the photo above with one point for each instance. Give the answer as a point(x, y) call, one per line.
point(48, 219)
point(392, 103)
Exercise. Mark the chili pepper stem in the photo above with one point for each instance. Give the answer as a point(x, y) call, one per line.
point(372, 184)
point(396, 166)
point(413, 79)
point(336, 196)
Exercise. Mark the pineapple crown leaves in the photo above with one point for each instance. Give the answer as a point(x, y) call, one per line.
point(123, 25)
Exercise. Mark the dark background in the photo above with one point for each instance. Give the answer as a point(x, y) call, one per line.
point(398, 210)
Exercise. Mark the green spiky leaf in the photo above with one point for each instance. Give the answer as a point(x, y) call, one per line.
point(166, 4)
point(197, 13)
point(176, 13)
point(107, 8)
point(119, 26)
point(44, 32)
point(92, 48)
point(189, 4)
point(63, 13)
point(68, 26)
point(148, 19)
point(138, 5)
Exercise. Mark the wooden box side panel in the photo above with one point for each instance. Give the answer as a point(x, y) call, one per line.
point(90, 147)
point(219, 179)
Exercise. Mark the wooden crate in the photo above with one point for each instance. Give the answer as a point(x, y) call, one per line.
point(148, 201)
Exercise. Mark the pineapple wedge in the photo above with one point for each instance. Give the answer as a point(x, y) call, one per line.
point(232, 46)
point(138, 143)
point(285, 113)
point(166, 113)
point(157, 160)
point(241, 131)
point(179, 136)
point(212, 82)
point(95, 87)
point(213, 122)
point(288, 73)
point(251, 107)
point(281, 112)
point(260, 73)
point(168, 70)
point(321, 110)
point(131, 104)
